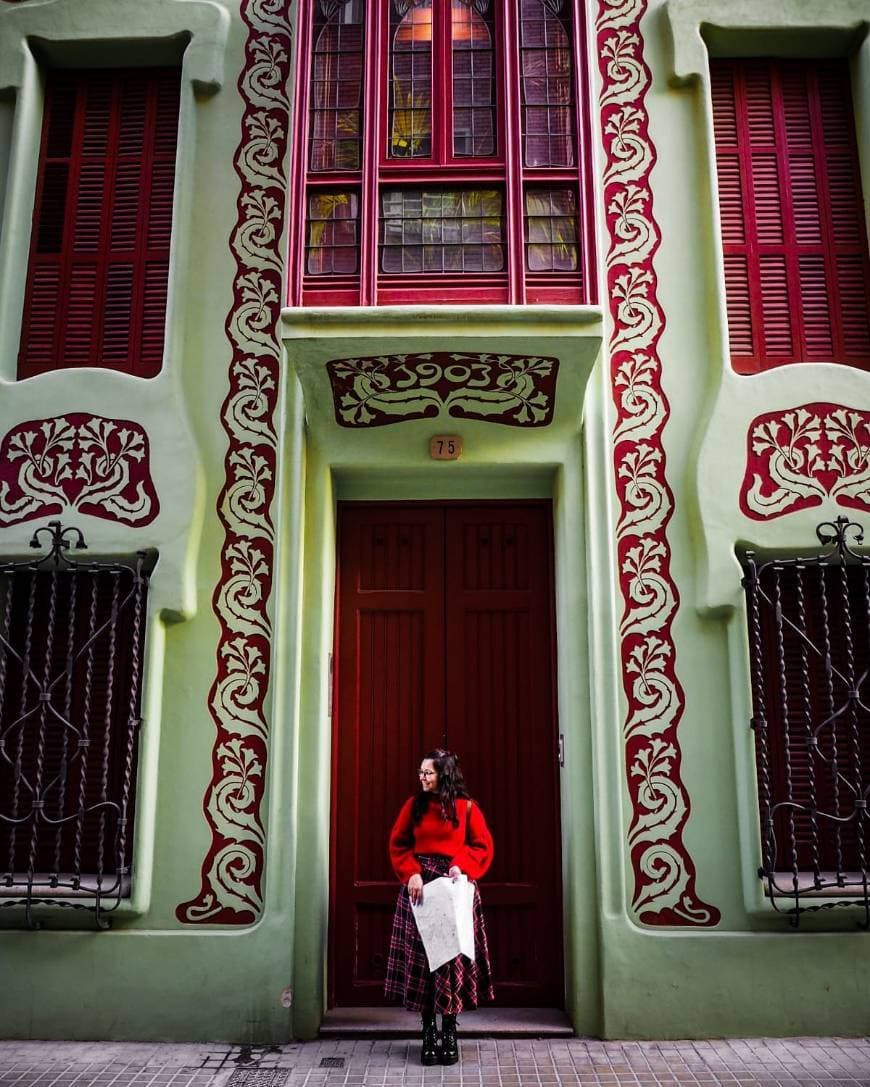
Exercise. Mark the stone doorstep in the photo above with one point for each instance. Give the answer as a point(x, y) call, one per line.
point(483, 1023)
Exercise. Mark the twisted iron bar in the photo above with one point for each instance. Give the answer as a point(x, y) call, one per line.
point(809, 656)
point(70, 681)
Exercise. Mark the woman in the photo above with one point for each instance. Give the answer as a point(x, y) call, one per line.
point(439, 832)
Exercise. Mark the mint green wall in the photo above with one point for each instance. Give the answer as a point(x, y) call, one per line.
point(150, 976)
point(751, 974)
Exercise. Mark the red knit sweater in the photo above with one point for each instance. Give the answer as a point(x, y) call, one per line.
point(469, 848)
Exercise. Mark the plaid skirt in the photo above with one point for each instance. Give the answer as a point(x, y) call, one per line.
point(458, 985)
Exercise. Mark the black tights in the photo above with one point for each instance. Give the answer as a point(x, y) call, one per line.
point(429, 999)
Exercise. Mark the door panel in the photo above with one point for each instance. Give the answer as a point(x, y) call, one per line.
point(390, 683)
point(501, 719)
point(444, 635)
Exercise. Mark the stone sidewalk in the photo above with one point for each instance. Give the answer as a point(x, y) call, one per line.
point(802, 1062)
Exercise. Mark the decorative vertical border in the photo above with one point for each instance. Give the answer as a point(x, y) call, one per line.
point(232, 872)
point(664, 874)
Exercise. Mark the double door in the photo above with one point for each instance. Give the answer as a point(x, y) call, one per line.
point(445, 638)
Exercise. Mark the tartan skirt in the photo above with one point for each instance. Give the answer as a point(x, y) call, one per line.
point(458, 985)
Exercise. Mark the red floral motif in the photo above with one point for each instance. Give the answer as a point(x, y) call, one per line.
point(77, 462)
point(516, 390)
point(664, 874)
point(796, 459)
point(232, 871)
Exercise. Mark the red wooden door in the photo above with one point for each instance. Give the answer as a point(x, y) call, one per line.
point(445, 636)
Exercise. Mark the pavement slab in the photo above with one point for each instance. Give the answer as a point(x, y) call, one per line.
point(485, 1062)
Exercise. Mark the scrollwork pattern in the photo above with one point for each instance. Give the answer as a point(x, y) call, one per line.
point(664, 875)
point(516, 390)
point(232, 871)
point(796, 459)
point(79, 462)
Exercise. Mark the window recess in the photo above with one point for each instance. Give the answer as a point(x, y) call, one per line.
point(809, 649)
point(71, 648)
point(453, 133)
point(98, 270)
point(797, 275)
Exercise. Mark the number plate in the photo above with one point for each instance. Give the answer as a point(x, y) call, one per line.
point(445, 447)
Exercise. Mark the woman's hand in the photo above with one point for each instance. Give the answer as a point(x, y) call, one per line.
point(455, 872)
point(415, 888)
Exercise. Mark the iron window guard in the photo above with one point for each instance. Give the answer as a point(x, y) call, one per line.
point(71, 647)
point(809, 619)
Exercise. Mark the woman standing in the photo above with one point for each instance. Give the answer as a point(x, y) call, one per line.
point(439, 832)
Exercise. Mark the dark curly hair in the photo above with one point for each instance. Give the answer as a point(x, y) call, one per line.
point(451, 786)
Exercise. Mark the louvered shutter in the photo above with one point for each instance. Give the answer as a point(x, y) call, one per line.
point(797, 278)
point(99, 263)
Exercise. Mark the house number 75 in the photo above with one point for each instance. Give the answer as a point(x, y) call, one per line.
point(445, 447)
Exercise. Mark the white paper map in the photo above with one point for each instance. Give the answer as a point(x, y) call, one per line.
point(445, 920)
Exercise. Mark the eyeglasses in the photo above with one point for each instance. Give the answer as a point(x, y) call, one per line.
point(426, 773)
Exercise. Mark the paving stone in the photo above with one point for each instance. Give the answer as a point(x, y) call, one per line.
point(795, 1062)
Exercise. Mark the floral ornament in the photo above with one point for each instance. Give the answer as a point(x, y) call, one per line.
point(232, 870)
point(796, 459)
point(80, 462)
point(516, 390)
point(662, 870)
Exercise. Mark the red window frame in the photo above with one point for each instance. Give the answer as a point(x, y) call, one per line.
point(797, 272)
point(504, 171)
point(97, 277)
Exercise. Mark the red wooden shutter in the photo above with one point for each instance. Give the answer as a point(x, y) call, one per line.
point(797, 276)
point(99, 260)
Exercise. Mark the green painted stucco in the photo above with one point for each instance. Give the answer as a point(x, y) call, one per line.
point(151, 977)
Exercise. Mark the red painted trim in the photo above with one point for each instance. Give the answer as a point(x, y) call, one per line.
point(377, 101)
point(299, 163)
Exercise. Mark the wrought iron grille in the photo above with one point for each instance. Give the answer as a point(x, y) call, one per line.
point(809, 619)
point(71, 646)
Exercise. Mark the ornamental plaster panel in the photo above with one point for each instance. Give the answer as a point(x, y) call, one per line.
point(796, 459)
point(662, 870)
point(232, 871)
point(77, 464)
point(516, 390)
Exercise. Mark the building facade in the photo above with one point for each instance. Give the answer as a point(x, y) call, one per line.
point(380, 374)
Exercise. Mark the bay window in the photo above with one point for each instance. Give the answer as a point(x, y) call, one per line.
point(441, 153)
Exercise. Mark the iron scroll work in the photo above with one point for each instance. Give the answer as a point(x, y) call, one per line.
point(809, 641)
point(71, 648)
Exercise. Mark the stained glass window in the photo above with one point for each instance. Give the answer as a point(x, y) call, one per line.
point(411, 81)
point(333, 233)
point(474, 121)
point(442, 140)
point(551, 230)
point(546, 63)
point(447, 231)
point(335, 134)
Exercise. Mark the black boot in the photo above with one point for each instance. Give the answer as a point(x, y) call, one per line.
point(429, 1053)
point(449, 1045)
